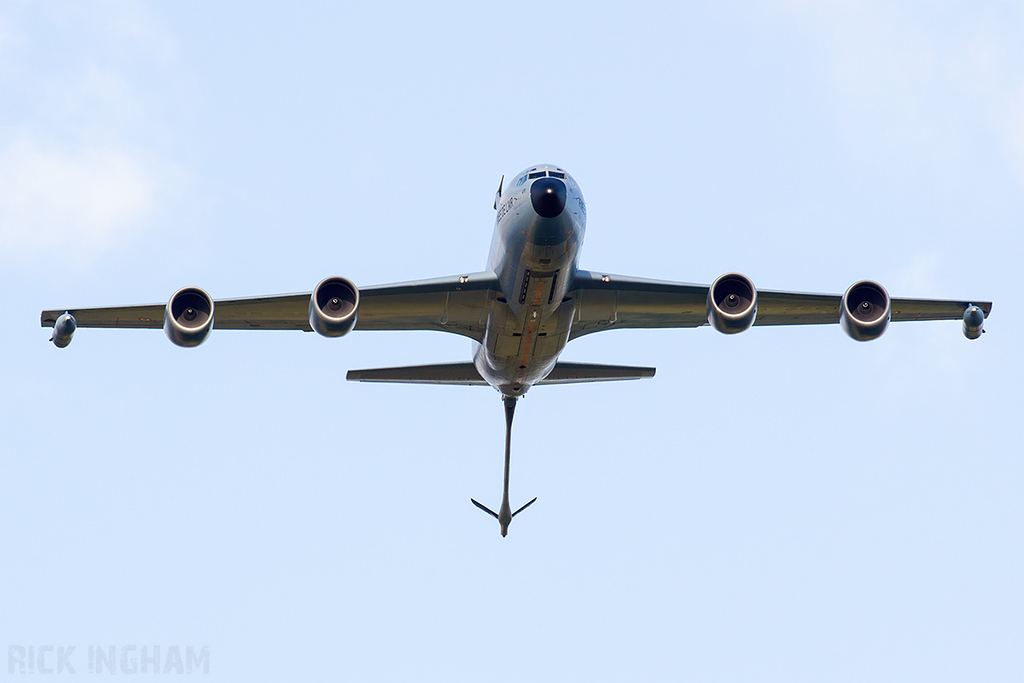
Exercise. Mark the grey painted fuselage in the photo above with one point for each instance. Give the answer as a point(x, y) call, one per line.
point(535, 254)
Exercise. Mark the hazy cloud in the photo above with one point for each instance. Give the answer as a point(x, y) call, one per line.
point(70, 201)
point(934, 84)
point(79, 165)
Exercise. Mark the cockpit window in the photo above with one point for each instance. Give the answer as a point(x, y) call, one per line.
point(538, 174)
point(557, 174)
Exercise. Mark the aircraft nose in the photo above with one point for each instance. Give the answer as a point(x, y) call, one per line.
point(548, 197)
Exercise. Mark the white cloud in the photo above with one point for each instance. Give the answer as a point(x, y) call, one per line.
point(936, 83)
point(66, 202)
point(80, 166)
point(130, 20)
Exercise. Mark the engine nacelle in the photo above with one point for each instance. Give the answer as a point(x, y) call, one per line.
point(732, 303)
point(334, 307)
point(864, 311)
point(974, 322)
point(188, 317)
point(64, 329)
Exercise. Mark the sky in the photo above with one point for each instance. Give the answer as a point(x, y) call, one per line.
point(781, 505)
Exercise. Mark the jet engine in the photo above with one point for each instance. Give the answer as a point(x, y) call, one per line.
point(864, 311)
point(334, 307)
point(732, 303)
point(188, 317)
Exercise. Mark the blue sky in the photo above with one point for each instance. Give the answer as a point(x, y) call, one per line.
point(785, 504)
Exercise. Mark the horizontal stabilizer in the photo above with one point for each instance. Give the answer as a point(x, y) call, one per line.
point(466, 373)
point(569, 373)
point(442, 373)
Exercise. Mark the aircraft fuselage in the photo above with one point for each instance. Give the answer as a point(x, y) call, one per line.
point(538, 233)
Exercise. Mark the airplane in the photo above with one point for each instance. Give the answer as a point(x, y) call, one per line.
point(521, 311)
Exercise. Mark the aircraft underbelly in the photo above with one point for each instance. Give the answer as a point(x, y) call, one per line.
point(528, 324)
point(520, 350)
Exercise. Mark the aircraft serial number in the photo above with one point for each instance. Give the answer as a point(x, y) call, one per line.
point(506, 207)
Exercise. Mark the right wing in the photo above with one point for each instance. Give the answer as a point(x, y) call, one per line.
point(455, 304)
point(606, 302)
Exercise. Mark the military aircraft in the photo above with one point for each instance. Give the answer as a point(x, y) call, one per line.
point(523, 309)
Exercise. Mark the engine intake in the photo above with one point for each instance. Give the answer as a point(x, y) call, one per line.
point(732, 303)
point(188, 317)
point(334, 307)
point(864, 311)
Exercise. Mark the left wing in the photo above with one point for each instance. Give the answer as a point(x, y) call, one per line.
point(455, 304)
point(605, 302)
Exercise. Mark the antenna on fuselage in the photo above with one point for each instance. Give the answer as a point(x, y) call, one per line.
point(497, 195)
point(505, 514)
